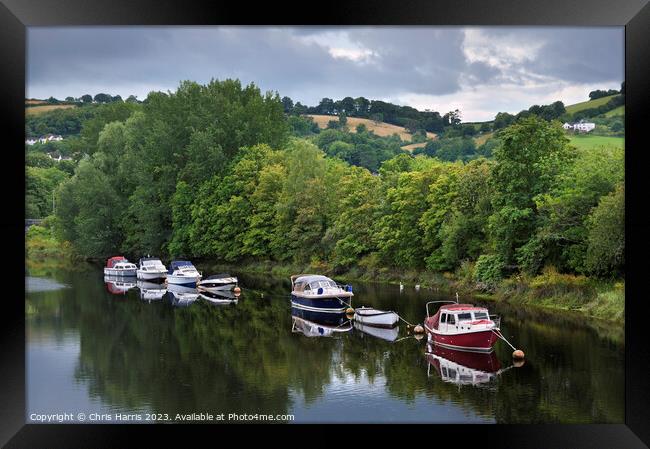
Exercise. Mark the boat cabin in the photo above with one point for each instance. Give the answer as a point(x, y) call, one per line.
point(459, 317)
point(150, 262)
point(312, 282)
point(110, 263)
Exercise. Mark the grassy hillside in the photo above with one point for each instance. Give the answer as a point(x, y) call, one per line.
point(572, 109)
point(413, 146)
point(379, 128)
point(615, 112)
point(590, 141)
point(35, 110)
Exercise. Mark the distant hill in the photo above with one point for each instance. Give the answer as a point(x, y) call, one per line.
point(572, 109)
point(40, 109)
point(379, 128)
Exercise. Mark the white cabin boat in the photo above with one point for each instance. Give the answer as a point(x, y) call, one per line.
point(182, 272)
point(218, 282)
point(119, 266)
point(151, 268)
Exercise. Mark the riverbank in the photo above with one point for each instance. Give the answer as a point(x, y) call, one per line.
point(601, 299)
point(550, 290)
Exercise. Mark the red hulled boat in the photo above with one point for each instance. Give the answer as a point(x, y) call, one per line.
point(462, 326)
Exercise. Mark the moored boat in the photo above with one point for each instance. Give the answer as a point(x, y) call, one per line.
point(377, 318)
point(319, 293)
point(182, 272)
point(217, 282)
point(151, 268)
point(462, 326)
point(119, 266)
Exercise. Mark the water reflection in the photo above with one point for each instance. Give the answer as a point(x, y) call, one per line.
point(180, 295)
point(318, 324)
point(378, 332)
point(219, 297)
point(95, 353)
point(151, 291)
point(461, 367)
point(119, 285)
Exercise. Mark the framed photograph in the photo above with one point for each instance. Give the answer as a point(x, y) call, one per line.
point(409, 214)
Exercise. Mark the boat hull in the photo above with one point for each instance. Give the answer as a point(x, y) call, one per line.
point(216, 287)
point(114, 272)
point(480, 341)
point(375, 318)
point(182, 280)
point(319, 304)
point(151, 275)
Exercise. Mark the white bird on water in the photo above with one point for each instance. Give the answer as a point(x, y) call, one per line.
point(417, 287)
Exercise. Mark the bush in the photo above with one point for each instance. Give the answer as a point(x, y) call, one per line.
point(488, 271)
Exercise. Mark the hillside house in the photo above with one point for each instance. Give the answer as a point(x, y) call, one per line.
point(50, 137)
point(31, 141)
point(583, 127)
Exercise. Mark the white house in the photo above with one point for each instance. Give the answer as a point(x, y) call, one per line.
point(583, 127)
point(48, 137)
point(31, 141)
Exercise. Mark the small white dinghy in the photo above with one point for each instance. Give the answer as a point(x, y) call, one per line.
point(377, 318)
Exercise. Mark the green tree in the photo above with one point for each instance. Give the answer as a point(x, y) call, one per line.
point(533, 151)
point(606, 238)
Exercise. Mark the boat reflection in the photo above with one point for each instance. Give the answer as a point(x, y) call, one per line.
point(378, 332)
point(462, 367)
point(119, 285)
point(219, 297)
point(181, 296)
point(151, 291)
point(318, 324)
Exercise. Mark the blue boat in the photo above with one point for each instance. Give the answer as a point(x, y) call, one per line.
point(318, 293)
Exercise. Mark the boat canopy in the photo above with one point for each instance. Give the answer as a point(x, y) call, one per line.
point(180, 263)
point(461, 308)
point(149, 259)
point(312, 280)
point(110, 263)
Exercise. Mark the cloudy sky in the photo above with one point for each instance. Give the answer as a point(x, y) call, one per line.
point(479, 70)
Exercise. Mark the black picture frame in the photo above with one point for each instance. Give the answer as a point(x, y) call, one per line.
point(16, 15)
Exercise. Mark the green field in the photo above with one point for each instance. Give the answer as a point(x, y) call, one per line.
point(572, 109)
point(596, 141)
point(614, 112)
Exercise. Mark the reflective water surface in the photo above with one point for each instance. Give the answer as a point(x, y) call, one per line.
point(105, 346)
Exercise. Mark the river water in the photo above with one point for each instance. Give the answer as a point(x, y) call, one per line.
point(103, 353)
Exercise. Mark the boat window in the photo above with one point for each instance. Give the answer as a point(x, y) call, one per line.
point(307, 287)
point(464, 316)
point(443, 318)
point(451, 319)
point(480, 316)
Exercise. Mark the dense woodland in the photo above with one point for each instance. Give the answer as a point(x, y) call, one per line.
point(223, 171)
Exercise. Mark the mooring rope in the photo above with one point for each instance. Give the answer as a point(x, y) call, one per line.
point(498, 334)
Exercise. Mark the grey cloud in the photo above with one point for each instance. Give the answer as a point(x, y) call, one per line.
point(294, 61)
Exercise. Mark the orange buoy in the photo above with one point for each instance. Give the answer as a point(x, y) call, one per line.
point(236, 290)
point(418, 329)
point(518, 354)
point(419, 336)
point(349, 311)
